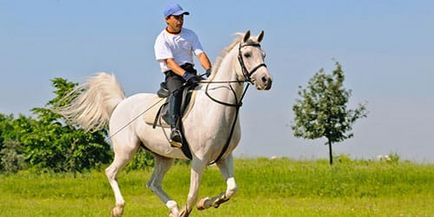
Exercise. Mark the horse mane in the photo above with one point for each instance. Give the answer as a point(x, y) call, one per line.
point(224, 52)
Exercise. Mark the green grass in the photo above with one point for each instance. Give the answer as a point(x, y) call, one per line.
point(266, 188)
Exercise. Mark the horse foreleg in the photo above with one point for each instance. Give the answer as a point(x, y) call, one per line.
point(226, 167)
point(197, 167)
point(162, 165)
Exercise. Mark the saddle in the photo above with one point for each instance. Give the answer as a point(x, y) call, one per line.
point(158, 113)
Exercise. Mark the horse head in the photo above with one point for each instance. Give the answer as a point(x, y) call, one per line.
point(251, 58)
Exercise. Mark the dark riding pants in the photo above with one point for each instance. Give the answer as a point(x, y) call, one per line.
point(174, 84)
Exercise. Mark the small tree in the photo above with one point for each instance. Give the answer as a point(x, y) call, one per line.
point(322, 110)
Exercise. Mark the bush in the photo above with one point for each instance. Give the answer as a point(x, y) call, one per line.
point(11, 157)
point(343, 158)
point(142, 160)
point(394, 158)
point(45, 142)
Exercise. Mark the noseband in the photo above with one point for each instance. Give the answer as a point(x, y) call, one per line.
point(246, 73)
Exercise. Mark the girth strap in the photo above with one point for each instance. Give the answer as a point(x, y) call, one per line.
point(185, 146)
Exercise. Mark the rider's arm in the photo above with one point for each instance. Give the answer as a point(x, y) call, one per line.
point(204, 61)
point(174, 67)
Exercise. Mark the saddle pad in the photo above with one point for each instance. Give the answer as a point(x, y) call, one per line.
point(149, 116)
point(153, 108)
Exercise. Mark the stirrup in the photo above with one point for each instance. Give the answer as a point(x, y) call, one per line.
point(175, 144)
point(175, 139)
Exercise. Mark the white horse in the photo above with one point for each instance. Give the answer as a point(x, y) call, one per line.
point(211, 128)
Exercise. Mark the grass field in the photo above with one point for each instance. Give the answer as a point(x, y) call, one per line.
point(279, 187)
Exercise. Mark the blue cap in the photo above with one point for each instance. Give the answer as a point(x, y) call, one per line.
point(174, 9)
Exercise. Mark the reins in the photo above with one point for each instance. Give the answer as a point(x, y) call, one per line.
point(135, 118)
point(238, 103)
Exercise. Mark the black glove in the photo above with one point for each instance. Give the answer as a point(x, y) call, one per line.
point(208, 72)
point(190, 78)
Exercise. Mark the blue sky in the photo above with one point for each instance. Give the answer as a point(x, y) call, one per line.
point(385, 47)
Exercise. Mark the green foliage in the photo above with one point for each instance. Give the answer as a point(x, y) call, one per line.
point(142, 160)
point(11, 157)
point(344, 158)
point(394, 158)
point(322, 110)
point(50, 144)
point(5, 127)
point(11, 148)
point(60, 147)
point(46, 142)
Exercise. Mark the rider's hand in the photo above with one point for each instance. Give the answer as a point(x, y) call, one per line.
point(208, 72)
point(190, 78)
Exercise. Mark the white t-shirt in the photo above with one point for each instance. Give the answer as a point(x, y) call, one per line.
point(180, 47)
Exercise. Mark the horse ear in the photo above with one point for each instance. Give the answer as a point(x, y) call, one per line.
point(246, 36)
point(261, 36)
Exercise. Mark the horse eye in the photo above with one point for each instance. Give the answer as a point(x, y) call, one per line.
point(247, 55)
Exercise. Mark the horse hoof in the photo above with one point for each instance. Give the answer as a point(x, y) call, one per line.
point(174, 212)
point(117, 211)
point(184, 213)
point(204, 203)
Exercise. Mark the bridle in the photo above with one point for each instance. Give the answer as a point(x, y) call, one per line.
point(246, 73)
point(238, 102)
point(247, 77)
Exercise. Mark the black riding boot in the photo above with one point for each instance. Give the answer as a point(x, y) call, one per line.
point(174, 112)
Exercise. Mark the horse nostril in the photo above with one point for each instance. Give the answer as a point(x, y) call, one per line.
point(264, 79)
point(267, 83)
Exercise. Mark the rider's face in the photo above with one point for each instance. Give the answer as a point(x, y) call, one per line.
point(174, 23)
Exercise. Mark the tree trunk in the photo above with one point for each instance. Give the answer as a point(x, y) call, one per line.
point(330, 152)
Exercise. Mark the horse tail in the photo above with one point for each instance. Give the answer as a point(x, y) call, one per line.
point(93, 102)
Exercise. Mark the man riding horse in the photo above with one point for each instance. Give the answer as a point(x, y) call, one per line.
point(174, 48)
point(101, 102)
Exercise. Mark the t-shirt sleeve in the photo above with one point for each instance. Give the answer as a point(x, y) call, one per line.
point(162, 50)
point(196, 46)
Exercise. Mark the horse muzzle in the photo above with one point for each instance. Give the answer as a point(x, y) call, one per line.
point(262, 80)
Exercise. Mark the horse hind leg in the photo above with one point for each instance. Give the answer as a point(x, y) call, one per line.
point(162, 165)
point(123, 154)
point(227, 169)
